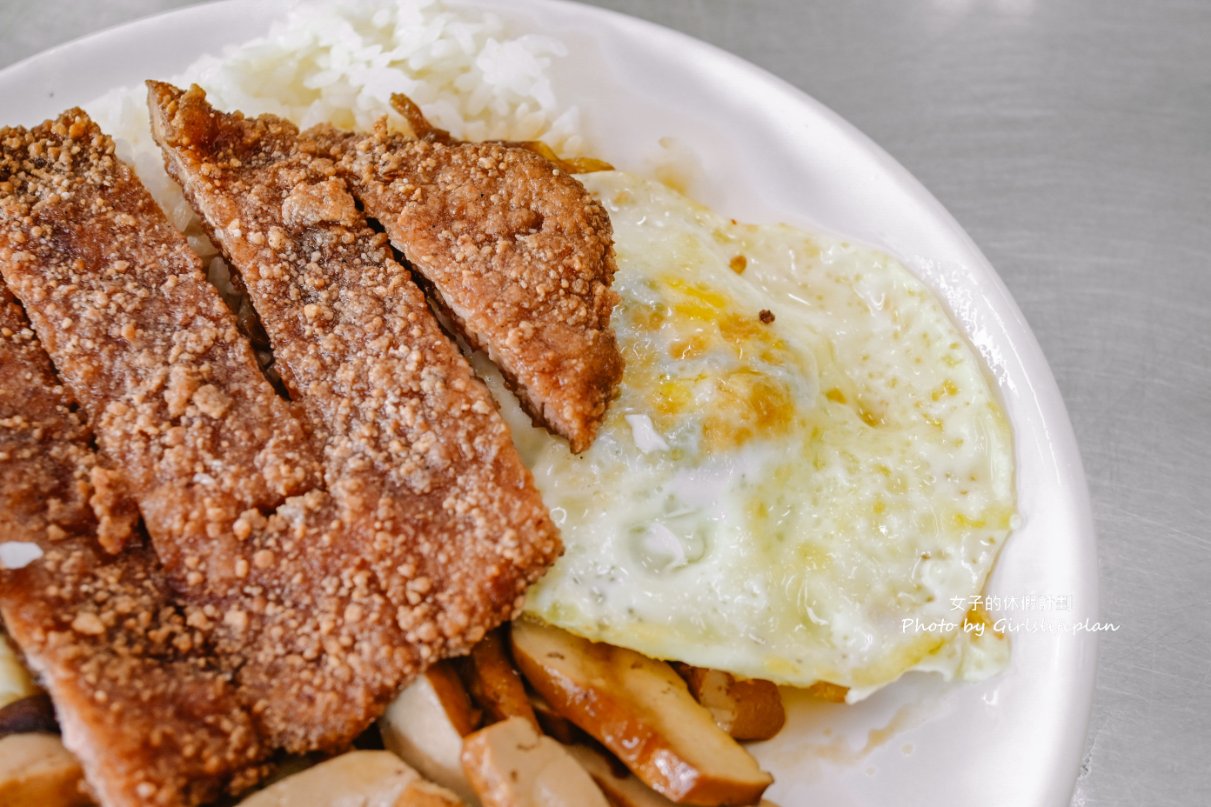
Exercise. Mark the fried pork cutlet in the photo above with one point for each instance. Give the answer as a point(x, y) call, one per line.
point(417, 455)
point(516, 252)
point(146, 346)
point(195, 433)
point(225, 473)
point(323, 596)
point(142, 702)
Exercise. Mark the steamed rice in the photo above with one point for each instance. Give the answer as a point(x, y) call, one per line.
point(339, 62)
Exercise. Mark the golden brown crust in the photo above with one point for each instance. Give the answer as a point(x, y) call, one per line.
point(517, 253)
point(225, 473)
point(319, 554)
point(444, 520)
point(49, 498)
point(145, 344)
point(151, 716)
point(311, 557)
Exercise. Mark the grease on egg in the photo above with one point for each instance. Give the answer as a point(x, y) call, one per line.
point(804, 454)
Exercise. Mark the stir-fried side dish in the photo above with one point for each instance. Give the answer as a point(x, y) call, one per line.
point(630, 723)
point(359, 777)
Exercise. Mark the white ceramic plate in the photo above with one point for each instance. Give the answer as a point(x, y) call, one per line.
point(768, 152)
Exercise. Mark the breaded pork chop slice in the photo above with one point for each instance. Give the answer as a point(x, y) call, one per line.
point(150, 713)
point(416, 453)
point(227, 476)
point(147, 347)
point(514, 250)
point(322, 585)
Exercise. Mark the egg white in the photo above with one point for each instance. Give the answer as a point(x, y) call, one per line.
point(805, 454)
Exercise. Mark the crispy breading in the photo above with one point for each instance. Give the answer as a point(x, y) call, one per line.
point(225, 473)
point(443, 517)
point(323, 595)
point(311, 557)
point(151, 716)
point(61, 488)
point(146, 346)
point(201, 440)
point(514, 250)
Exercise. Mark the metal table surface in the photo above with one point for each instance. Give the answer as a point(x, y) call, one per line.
point(1071, 139)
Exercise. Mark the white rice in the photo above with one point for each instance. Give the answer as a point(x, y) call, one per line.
point(340, 61)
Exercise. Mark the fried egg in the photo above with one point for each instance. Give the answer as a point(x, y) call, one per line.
point(806, 476)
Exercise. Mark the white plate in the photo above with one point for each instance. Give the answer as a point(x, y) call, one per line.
point(769, 152)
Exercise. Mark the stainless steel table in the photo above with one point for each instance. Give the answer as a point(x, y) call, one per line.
point(1072, 139)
